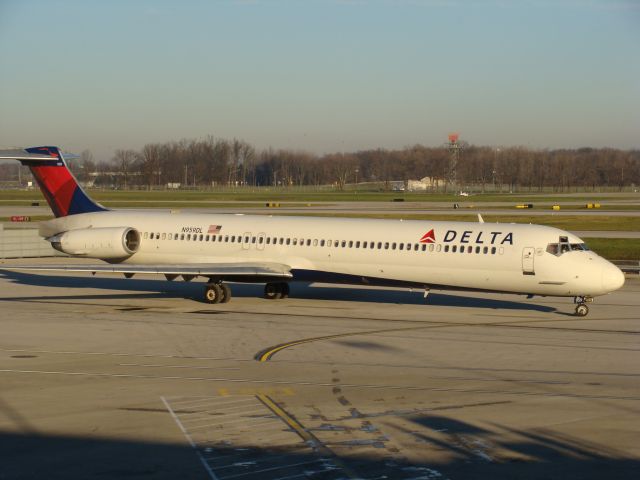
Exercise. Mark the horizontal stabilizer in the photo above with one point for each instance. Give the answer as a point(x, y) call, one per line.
point(20, 154)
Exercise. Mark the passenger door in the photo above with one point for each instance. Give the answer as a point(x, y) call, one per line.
point(260, 244)
point(246, 240)
point(528, 255)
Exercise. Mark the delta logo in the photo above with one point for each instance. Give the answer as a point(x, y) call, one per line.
point(469, 236)
point(428, 237)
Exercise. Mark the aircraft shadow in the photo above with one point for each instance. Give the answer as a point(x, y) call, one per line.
point(462, 450)
point(141, 288)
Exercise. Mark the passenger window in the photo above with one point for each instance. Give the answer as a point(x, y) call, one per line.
point(439, 248)
point(315, 242)
point(253, 239)
point(424, 247)
point(182, 236)
point(493, 250)
point(350, 243)
point(201, 237)
point(446, 248)
point(169, 236)
point(288, 242)
point(501, 251)
point(402, 246)
point(386, 245)
point(322, 242)
point(260, 239)
point(469, 249)
point(477, 249)
point(358, 244)
point(146, 235)
point(206, 239)
point(188, 236)
point(309, 242)
point(454, 249)
point(295, 241)
point(485, 250)
point(380, 245)
point(195, 237)
point(431, 247)
point(393, 246)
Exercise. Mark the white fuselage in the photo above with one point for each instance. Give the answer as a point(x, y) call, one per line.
point(457, 255)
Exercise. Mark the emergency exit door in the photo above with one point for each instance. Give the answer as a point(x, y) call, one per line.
point(527, 260)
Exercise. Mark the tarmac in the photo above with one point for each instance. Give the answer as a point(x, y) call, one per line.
point(103, 377)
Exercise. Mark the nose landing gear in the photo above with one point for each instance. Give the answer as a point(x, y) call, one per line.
point(581, 308)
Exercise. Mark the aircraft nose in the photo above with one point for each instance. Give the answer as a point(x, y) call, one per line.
point(612, 277)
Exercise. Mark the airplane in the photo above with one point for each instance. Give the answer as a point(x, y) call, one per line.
point(276, 250)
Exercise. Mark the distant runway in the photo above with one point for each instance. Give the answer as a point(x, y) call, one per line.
point(107, 377)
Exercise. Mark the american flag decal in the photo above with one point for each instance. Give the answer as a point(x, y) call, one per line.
point(214, 229)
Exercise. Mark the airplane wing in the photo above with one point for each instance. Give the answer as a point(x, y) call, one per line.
point(230, 271)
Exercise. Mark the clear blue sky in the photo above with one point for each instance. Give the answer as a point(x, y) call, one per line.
point(321, 76)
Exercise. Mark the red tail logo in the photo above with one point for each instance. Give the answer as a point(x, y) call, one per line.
point(428, 237)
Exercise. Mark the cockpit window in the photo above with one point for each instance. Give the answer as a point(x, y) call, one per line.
point(564, 247)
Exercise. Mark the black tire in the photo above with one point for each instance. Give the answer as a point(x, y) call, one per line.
point(582, 310)
point(272, 291)
point(284, 290)
point(226, 293)
point(212, 293)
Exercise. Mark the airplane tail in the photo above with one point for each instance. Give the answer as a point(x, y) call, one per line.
point(58, 185)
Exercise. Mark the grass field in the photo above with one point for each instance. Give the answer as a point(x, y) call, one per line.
point(265, 194)
point(616, 248)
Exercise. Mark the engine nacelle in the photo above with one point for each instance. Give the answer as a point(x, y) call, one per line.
point(109, 242)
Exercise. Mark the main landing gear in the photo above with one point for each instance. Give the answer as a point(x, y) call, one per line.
point(581, 308)
point(276, 290)
point(217, 293)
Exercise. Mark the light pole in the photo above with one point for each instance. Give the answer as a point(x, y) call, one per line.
point(495, 168)
point(357, 170)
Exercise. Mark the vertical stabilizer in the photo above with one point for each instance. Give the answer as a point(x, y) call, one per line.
point(58, 185)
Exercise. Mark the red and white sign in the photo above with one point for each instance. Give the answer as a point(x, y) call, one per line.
point(20, 218)
point(428, 237)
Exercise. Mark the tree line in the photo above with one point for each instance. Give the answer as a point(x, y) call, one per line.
point(211, 162)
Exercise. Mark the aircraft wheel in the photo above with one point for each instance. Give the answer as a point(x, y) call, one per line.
point(213, 293)
point(582, 310)
point(272, 291)
point(226, 293)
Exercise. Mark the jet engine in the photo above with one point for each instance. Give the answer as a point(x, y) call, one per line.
point(103, 243)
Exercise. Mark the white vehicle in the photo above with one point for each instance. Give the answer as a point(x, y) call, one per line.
point(491, 257)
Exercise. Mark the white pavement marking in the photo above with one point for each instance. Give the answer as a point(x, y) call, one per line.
point(325, 384)
point(190, 440)
point(271, 469)
point(252, 421)
point(159, 365)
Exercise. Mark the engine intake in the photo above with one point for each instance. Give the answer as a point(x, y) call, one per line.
point(103, 243)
